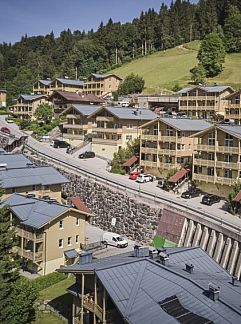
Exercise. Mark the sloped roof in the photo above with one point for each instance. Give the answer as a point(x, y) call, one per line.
point(80, 205)
point(131, 161)
point(237, 197)
point(130, 113)
point(104, 76)
point(20, 177)
point(84, 110)
point(34, 212)
point(186, 124)
point(14, 160)
point(31, 97)
point(205, 88)
point(78, 97)
point(138, 285)
point(234, 130)
point(177, 176)
point(45, 82)
point(79, 83)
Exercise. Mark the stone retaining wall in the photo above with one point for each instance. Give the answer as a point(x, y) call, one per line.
point(134, 218)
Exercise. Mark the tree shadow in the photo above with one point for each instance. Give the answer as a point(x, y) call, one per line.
point(63, 305)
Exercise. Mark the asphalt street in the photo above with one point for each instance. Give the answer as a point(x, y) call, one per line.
point(99, 168)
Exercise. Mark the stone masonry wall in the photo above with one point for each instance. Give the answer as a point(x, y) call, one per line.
point(134, 219)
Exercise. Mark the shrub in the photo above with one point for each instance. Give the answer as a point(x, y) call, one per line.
point(48, 280)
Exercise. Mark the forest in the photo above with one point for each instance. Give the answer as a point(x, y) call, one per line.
point(79, 53)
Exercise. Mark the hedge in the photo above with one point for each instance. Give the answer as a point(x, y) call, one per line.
point(50, 279)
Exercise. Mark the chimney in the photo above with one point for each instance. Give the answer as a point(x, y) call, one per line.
point(213, 292)
point(234, 279)
point(164, 258)
point(141, 251)
point(85, 257)
point(189, 267)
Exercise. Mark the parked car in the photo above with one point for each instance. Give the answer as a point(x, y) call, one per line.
point(5, 130)
point(145, 178)
point(210, 199)
point(114, 240)
point(133, 175)
point(191, 193)
point(9, 120)
point(160, 183)
point(60, 144)
point(86, 155)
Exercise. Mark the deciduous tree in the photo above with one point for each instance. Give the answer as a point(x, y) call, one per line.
point(44, 112)
point(132, 84)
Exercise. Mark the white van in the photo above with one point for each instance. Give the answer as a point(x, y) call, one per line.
point(114, 240)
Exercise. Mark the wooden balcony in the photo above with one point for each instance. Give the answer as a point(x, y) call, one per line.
point(202, 162)
point(206, 148)
point(168, 166)
point(228, 165)
point(152, 138)
point(37, 237)
point(198, 108)
point(203, 177)
point(73, 116)
point(90, 305)
point(168, 139)
point(107, 130)
point(228, 149)
point(106, 141)
point(149, 150)
point(104, 118)
point(150, 164)
point(226, 181)
point(197, 98)
point(72, 126)
point(30, 255)
point(73, 136)
point(234, 106)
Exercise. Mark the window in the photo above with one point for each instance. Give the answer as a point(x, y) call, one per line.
point(211, 172)
point(69, 241)
point(61, 243)
point(77, 222)
point(211, 156)
point(77, 239)
point(228, 158)
point(211, 138)
point(155, 130)
point(129, 126)
point(227, 173)
point(169, 131)
point(129, 137)
point(33, 187)
point(228, 140)
point(61, 224)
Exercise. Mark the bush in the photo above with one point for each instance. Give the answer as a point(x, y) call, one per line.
point(118, 169)
point(48, 280)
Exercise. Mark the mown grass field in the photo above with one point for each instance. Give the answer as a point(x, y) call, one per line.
point(162, 70)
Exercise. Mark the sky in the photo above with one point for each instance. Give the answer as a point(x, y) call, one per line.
point(40, 17)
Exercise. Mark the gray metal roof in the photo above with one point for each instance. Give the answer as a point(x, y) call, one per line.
point(234, 130)
point(137, 285)
point(70, 254)
point(129, 113)
point(3, 90)
point(103, 76)
point(86, 110)
point(31, 97)
point(45, 82)
point(186, 124)
point(33, 212)
point(21, 177)
point(14, 160)
point(71, 82)
point(205, 88)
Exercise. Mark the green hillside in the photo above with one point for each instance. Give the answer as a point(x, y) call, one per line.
point(162, 70)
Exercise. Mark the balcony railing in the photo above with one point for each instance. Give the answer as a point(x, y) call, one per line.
point(207, 148)
point(90, 305)
point(233, 116)
point(168, 166)
point(106, 141)
point(150, 164)
point(29, 235)
point(202, 177)
point(74, 126)
point(73, 136)
point(228, 165)
point(168, 139)
point(105, 118)
point(107, 130)
point(228, 149)
point(148, 137)
point(198, 108)
point(30, 255)
point(198, 98)
point(73, 116)
point(226, 181)
point(229, 105)
point(150, 150)
point(202, 162)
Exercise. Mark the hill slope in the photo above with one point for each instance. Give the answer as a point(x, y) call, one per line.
point(162, 70)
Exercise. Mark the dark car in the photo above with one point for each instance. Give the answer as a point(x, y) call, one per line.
point(86, 155)
point(210, 199)
point(191, 193)
point(59, 143)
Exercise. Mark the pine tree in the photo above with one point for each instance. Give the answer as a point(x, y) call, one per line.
point(232, 30)
point(212, 54)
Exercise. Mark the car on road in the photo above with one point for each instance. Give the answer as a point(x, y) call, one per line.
point(114, 240)
point(5, 130)
point(60, 144)
point(191, 193)
point(134, 174)
point(143, 177)
point(210, 199)
point(87, 155)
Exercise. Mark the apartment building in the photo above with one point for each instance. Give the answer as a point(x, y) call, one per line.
point(138, 288)
point(204, 102)
point(26, 105)
point(41, 181)
point(9, 142)
point(42, 87)
point(66, 84)
point(232, 105)
point(217, 159)
point(115, 127)
point(3, 98)
point(77, 124)
point(166, 143)
point(63, 99)
point(49, 234)
point(102, 85)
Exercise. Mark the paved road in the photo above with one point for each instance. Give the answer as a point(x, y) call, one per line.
point(99, 168)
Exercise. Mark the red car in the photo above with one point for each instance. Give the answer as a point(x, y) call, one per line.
point(5, 130)
point(133, 175)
